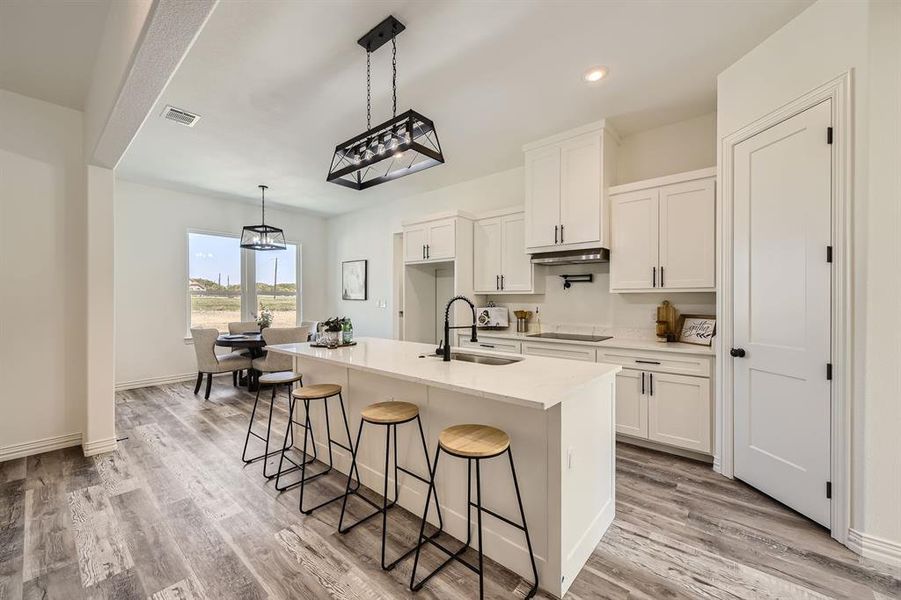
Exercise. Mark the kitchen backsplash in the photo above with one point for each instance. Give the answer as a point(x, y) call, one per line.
point(591, 308)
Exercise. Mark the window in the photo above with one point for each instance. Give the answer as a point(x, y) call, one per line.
point(214, 280)
point(219, 292)
point(276, 289)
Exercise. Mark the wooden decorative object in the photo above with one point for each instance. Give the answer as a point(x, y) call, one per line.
point(667, 322)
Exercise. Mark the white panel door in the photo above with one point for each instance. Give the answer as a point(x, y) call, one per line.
point(415, 239)
point(441, 244)
point(487, 255)
point(516, 265)
point(542, 168)
point(580, 190)
point(687, 229)
point(782, 226)
point(679, 411)
point(631, 404)
point(634, 240)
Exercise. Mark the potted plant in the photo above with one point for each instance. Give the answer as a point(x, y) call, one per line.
point(264, 319)
point(332, 331)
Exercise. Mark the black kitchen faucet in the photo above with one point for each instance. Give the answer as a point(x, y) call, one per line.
point(447, 326)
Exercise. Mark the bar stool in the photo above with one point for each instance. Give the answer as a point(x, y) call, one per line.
point(390, 415)
point(286, 378)
point(474, 443)
point(319, 391)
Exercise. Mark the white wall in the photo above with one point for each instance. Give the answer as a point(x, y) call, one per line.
point(825, 41)
point(368, 234)
point(151, 271)
point(42, 267)
point(684, 146)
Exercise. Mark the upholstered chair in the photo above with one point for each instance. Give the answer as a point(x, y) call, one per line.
point(209, 363)
point(273, 361)
point(236, 327)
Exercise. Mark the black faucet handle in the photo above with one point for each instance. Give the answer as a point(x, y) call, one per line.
point(440, 349)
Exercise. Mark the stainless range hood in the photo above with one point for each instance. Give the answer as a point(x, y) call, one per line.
point(572, 257)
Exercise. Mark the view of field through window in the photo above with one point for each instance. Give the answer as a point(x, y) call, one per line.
point(215, 285)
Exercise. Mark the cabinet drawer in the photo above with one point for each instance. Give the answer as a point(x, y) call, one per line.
point(497, 345)
point(680, 364)
point(570, 351)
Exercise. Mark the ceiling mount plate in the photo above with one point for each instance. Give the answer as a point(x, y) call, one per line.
point(381, 34)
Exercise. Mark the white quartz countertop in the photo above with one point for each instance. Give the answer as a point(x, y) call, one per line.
point(535, 381)
point(620, 343)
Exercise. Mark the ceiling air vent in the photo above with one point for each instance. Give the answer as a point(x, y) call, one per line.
point(180, 116)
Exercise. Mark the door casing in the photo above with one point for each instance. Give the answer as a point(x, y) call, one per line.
point(839, 91)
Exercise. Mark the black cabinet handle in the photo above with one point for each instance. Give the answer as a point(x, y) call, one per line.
point(737, 352)
point(497, 282)
point(647, 362)
point(423, 251)
point(651, 382)
point(487, 345)
point(653, 276)
point(502, 282)
point(428, 251)
point(555, 233)
point(661, 276)
point(561, 234)
point(642, 383)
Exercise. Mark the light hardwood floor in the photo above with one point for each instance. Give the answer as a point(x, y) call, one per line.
point(174, 514)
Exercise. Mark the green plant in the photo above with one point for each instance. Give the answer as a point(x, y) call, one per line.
point(334, 324)
point(265, 317)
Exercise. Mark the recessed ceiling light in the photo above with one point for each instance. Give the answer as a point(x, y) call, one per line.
point(595, 74)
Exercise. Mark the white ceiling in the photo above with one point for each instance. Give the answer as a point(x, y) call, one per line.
point(279, 84)
point(48, 48)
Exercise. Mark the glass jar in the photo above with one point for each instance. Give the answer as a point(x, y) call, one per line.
point(347, 332)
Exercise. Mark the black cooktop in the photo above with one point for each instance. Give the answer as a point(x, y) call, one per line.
point(575, 337)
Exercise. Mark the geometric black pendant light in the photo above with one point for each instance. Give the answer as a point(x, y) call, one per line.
point(402, 145)
point(262, 236)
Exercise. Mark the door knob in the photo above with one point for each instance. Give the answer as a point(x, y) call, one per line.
point(737, 352)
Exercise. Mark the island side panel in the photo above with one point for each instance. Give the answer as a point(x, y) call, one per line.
point(587, 474)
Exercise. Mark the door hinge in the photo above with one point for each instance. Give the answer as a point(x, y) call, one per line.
point(829, 135)
point(829, 371)
point(829, 254)
point(828, 489)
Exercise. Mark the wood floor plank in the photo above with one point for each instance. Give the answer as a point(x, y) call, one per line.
point(12, 537)
point(197, 523)
point(221, 573)
point(100, 544)
point(158, 560)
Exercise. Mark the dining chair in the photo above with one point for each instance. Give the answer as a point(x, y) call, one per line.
point(275, 362)
point(236, 327)
point(209, 363)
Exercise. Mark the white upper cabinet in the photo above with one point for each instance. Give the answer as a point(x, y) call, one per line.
point(542, 197)
point(430, 241)
point(500, 262)
point(663, 234)
point(580, 190)
point(687, 241)
point(633, 249)
point(566, 178)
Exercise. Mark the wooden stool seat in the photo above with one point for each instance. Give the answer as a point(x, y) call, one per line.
point(279, 378)
point(317, 391)
point(474, 441)
point(387, 413)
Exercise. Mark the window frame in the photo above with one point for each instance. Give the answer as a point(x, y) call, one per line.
point(248, 273)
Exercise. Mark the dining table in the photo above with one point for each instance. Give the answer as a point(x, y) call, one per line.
point(254, 343)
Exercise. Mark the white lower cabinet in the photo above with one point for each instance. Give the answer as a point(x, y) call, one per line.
point(679, 411)
point(666, 408)
point(631, 404)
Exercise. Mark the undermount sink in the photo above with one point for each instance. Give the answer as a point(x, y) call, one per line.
point(483, 359)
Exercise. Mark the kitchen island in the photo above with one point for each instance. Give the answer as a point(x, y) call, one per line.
point(560, 418)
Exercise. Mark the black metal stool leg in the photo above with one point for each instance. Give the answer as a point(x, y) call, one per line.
point(285, 447)
point(253, 414)
point(525, 528)
point(479, 517)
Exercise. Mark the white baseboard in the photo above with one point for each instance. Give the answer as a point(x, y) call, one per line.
point(151, 381)
point(876, 548)
point(38, 446)
point(98, 446)
point(650, 445)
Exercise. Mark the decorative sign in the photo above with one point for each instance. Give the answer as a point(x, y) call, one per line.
point(353, 280)
point(698, 329)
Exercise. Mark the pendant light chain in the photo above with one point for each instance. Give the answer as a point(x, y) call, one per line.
point(394, 73)
point(263, 191)
point(368, 90)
